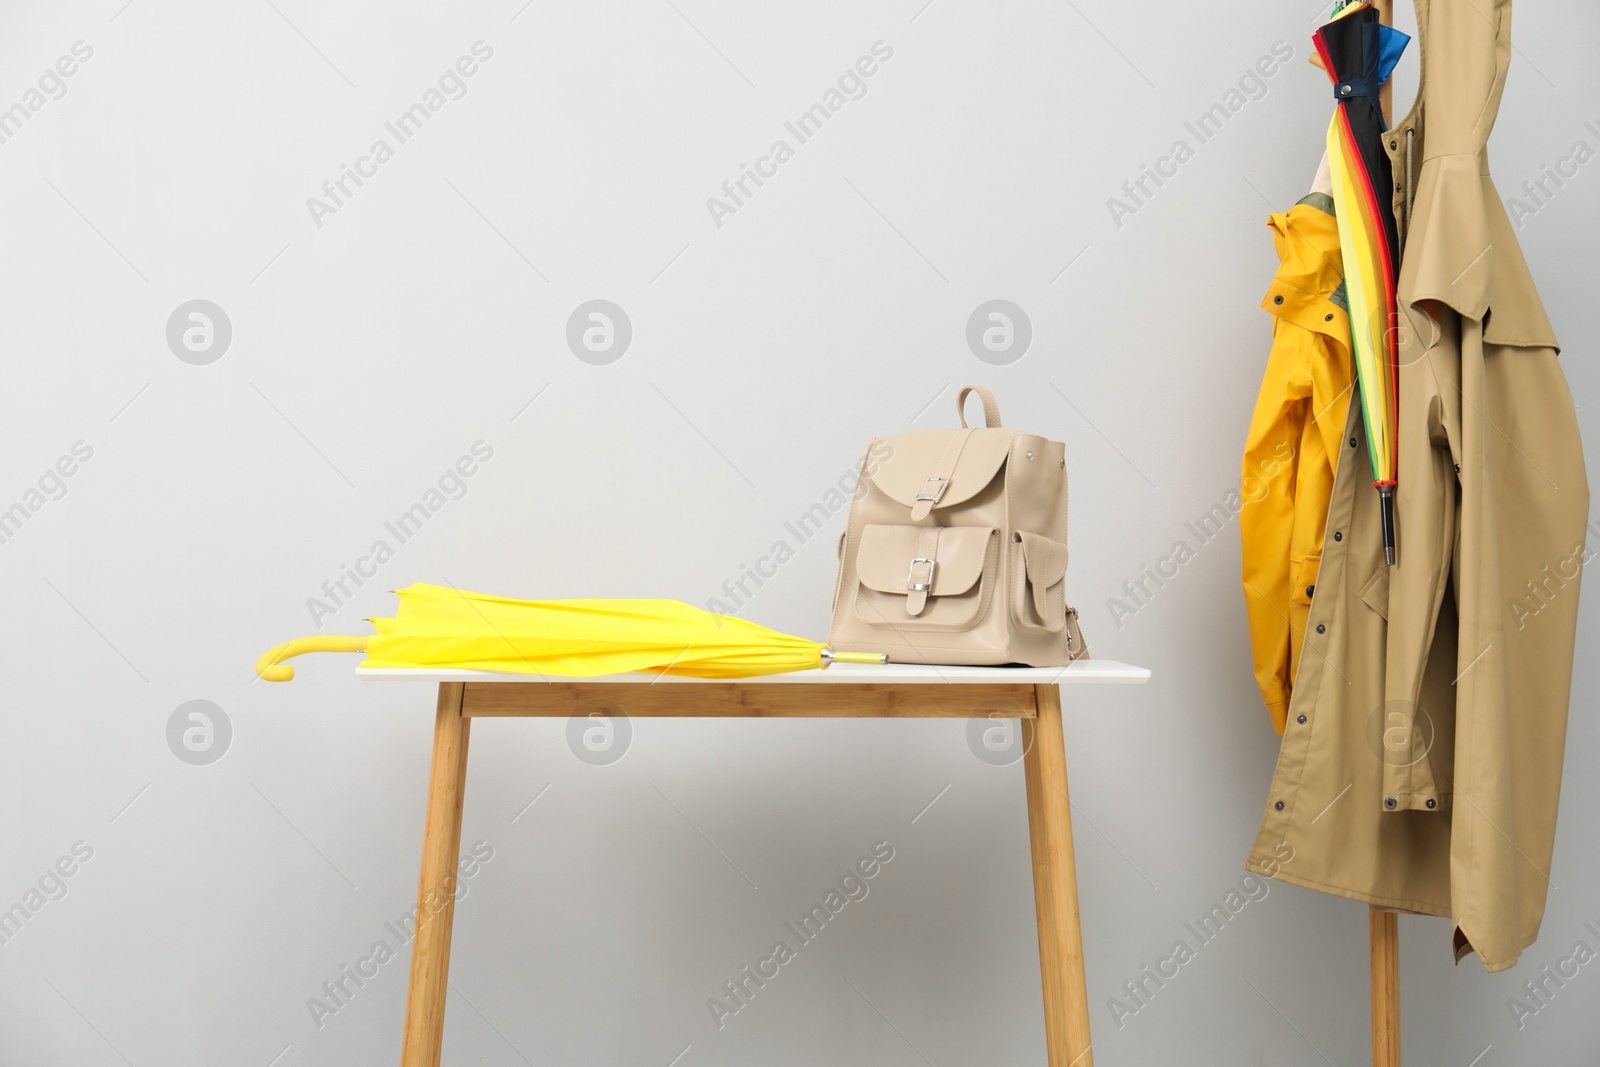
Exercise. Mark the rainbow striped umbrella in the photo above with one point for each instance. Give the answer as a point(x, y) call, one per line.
point(1358, 52)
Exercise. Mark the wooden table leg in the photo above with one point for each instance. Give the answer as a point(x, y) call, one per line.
point(1383, 928)
point(1055, 888)
point(436, 901)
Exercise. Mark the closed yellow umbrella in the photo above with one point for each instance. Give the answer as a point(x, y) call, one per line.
point(437, 627)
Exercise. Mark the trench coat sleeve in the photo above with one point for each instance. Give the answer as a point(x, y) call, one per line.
point(1414, 738)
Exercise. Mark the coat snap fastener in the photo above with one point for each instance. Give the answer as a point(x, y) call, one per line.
point(1337, 536)
point(1390, 803)
point(1328, 317)
point(1458, 468)
point(1352, 442)
point(1030, 455)
point(1394, 144)
point(1301, 720)
point(1310, 589)
point(1321, 629)
point(1277, 300)
point(1279, 805)
point(1431, 803)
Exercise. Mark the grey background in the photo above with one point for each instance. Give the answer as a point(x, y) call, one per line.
point(430, 312)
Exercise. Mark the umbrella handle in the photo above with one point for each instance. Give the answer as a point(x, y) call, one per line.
point(271, 666)
point(829, 656)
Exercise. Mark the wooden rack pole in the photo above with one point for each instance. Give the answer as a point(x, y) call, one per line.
point(1383, 927)
point(1384, 932)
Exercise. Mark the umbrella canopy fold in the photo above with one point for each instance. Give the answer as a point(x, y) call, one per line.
point(440, 627)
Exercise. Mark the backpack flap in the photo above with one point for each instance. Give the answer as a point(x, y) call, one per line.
point(937, 469)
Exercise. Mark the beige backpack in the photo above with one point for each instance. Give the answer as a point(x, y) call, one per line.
point(956, 551)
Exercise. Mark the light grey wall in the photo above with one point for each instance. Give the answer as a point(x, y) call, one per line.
point(374, 345)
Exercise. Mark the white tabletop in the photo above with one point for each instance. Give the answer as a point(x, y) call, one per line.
point(1083, 672)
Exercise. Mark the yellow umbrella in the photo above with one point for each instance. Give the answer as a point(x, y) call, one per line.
point(437, 627)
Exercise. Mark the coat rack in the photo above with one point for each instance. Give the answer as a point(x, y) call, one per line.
point(1383, 927)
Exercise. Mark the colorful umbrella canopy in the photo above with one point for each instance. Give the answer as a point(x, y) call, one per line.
point(1359, 52)
point(439, 627)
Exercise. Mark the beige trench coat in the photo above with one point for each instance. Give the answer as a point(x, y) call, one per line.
point(1421, 765)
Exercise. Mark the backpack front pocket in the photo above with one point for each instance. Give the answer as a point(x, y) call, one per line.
point(925, 577)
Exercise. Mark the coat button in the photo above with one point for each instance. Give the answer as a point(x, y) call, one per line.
point(1352, 442)
point(1394, 144)
point(1458, 468)
point(1277, 300)
point(1310, 589)
point(1431, 803)
point(1321, 629)
point(1301, 720)
point(1279, 805)
point(1390, 803)
point(1337, 536)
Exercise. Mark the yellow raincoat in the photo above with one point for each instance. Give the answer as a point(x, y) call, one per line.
point(1293, 445)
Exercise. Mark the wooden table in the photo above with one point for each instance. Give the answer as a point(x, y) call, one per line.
point(842, 691)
